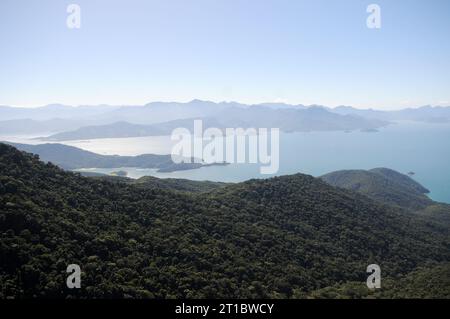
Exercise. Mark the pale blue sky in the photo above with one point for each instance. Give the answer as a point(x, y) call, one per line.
point(309, 52)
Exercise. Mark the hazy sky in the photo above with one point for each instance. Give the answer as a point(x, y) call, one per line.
point(309, 52)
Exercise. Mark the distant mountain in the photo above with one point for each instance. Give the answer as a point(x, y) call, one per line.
point(118, 129)
point(125, 129)
point(150, 113)
point(430, 114)
point(382, 184)
point(53, 111)
point(313, 118)
point(278, 106)
point(291, 117)
point(58, 118)
point(158, 112)
point(28, 126)
point(288, 120)
point(69, 157)
point(283, 237)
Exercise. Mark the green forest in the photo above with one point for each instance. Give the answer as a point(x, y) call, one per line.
point(286, 237)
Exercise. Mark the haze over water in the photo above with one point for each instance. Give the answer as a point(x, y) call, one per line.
point(406, 147)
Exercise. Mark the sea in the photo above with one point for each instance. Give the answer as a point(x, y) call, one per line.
point(420, 149)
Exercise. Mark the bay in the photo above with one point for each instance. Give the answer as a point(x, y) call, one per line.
point(421, 148)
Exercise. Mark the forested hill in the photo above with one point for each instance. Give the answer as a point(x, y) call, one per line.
point(425, 282)
point(281, 237)
point(393, 188)
point(70, 157)
point(176, 184)
point(383, 184)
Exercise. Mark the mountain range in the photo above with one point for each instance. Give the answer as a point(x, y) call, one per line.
point(312, 119)
point(430, 114)
point(154, 116)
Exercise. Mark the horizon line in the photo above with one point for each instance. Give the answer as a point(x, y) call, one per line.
point(223, 102)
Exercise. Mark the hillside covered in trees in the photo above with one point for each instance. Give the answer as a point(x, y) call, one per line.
point(285, 237)
point(425, 282)
point(392, 188)
point(71, 158)
point(383, 184)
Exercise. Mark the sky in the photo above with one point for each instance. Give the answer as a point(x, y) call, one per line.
point(132, 52)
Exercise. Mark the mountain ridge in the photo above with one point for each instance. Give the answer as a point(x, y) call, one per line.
point(287, 120)
point(39, 120)
point(71, 158)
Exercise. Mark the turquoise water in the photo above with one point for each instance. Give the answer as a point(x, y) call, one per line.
point(418, 147)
